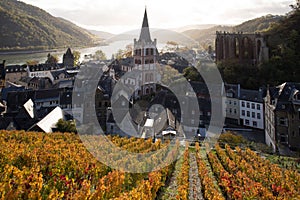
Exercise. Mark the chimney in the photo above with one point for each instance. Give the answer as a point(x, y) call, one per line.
point(239, 90)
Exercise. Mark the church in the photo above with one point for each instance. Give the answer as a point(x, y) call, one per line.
point(145, 56)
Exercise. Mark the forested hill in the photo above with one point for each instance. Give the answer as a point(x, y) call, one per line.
point(260, 24)
point(28, 27)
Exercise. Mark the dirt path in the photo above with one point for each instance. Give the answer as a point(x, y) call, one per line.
point(195, 184)
point(170, 190)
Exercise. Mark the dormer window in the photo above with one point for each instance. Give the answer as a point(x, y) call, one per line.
point(229, 94)
point(297, 96)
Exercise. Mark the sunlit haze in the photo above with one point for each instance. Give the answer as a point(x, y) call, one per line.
point(118, 16)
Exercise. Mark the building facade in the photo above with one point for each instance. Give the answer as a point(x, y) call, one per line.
point(282, 105)
point(252, 108)
point(232, 104)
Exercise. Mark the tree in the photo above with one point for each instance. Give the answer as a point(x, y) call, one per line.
point(171, 45)
point(296, 6)
point(66, 126)
point(99, 55)
point(32, 62)
point(168, 74)
point(191, 74)
point(119, 55)
point(52, 59)
point(128, 51)
point(76, 55)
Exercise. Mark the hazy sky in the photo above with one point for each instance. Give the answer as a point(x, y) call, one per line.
point(118, 16)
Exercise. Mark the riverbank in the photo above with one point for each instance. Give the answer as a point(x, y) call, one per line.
point(19, 51)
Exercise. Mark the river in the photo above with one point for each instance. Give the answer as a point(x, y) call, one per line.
point(20, 58)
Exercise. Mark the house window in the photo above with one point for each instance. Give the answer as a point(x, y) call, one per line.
point(230, 110)
point(248, 113)
point(235, 111)
point(254, 124)
point(248, 105)
point(234, 103)
point(123, 103)
point(243, 112)
point(192, 121)
point(229, 94)
point(293, 134)
point(283, 138)
point(253, 106)
point(243, 104)
point(253, 114)
point(282, 121)
point(229, 102)
point(257, 106)
point(247, 122)
point(258, 116)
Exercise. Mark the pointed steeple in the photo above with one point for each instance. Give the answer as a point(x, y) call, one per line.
point(145, 32)
point(145, 20)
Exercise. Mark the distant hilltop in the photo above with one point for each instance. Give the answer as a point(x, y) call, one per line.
point(25, 27)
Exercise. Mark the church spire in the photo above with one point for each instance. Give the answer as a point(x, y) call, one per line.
point(145, 20)
point(145, 32)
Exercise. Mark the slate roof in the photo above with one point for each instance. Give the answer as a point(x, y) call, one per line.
point(44, 67)
point(50, 120)
point(232, 88)
point(47, 94)
point(284, 94)
point(16, 68)
point(145, 33)
point(252, 95)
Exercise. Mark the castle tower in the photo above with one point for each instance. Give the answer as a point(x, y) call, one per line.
point(145, 59)
point(68, 59)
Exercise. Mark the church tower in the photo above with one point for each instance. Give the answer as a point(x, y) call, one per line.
point(68, 59)
point(145, 59)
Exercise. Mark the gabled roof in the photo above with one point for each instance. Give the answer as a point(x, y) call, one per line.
point(284, 94)
point(252, 95)
point(29, 108)
point(47, 94)
point(49, 122)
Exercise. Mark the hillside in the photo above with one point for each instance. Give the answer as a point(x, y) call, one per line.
point(27, 27)
point(207, 36)
point(260, 24)
point(195, 26)
point(102, 34)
